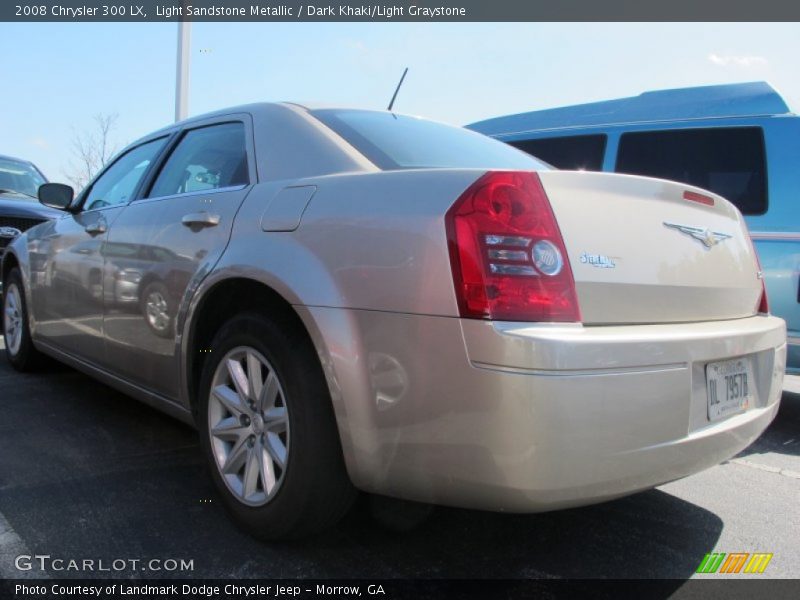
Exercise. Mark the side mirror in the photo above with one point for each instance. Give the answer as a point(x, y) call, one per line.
point(56, 195)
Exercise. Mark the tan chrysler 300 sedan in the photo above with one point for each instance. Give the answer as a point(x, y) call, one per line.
point(347, 299)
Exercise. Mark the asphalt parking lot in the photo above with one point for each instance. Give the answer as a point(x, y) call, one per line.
point(86, 472)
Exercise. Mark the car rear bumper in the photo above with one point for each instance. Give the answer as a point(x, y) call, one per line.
point(522, 418)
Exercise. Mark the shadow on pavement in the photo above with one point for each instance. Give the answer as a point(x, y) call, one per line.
point(783, 434)
point(89, 473)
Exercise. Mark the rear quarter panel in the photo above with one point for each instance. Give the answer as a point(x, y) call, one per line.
point(373, 241)
point(368, 272)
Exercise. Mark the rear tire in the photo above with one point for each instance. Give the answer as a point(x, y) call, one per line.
point(268, 430)
point(20, 351)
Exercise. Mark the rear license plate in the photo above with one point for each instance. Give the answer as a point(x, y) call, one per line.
point(730, 387)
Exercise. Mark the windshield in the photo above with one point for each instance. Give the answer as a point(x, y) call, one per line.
point(19, 178)
point(401, 142)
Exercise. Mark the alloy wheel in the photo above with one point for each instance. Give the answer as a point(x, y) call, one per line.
point(12, 318)
point(248, 424)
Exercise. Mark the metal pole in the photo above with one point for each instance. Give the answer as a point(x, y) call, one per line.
point(182, 71)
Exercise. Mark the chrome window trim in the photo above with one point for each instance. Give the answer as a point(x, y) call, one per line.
point(229, 188)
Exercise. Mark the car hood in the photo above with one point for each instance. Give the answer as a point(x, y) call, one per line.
point(26, 209)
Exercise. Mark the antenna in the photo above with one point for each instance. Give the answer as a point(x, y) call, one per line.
point(397, 89)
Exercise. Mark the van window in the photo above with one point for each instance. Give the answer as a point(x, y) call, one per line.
point(574, 152)
point(728, 161)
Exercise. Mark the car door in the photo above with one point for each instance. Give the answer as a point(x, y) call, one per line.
point(68, 306)
point(181, 226)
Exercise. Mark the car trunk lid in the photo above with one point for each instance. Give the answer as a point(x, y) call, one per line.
point(645, 250)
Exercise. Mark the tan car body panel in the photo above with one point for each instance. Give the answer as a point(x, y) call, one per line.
point(660, 273)
point(501, 416)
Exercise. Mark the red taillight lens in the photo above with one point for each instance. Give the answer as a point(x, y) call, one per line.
point(508, 258)
point(695, 197)
point(763, 303)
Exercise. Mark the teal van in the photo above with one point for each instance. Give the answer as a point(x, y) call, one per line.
point(740, 141)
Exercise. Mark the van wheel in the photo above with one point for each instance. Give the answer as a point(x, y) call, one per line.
point(17, 336)
point(269, 432)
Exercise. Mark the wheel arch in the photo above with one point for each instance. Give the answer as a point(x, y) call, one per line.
point(147, 279)
point(216, 305)
point(10, 261)
point(236, 288)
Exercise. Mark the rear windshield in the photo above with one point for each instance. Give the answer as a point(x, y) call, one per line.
point(401, 142)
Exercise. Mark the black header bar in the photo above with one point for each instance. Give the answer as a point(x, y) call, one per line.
point(399, 10)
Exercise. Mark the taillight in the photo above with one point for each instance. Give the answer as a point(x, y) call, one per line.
point(508, 258)
point(700, 198)
point(763, 304)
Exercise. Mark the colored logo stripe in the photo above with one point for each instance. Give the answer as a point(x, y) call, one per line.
point(758, 562)
point(734, 562)
point(713, 562)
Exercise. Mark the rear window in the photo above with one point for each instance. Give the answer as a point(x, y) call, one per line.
point(730, 162)
point(401, 142)
point(574, 153)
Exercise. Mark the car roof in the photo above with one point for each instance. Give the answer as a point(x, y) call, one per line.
point(254, 108)
point(757, 98)
point(298, 145)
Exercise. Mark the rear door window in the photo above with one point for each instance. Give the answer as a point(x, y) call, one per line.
point(728, 161)
point(209, 158)
point(573, 153)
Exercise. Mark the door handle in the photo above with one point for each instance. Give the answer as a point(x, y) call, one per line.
point(202, 219)
point(95, 228)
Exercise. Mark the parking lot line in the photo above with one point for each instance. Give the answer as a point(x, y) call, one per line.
point(755, 465)
point(12, 546)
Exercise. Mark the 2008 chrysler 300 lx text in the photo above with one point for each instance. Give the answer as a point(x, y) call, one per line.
point(346, 299)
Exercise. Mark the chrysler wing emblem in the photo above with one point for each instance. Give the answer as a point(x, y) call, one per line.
point(702, 234)
point(9, 232)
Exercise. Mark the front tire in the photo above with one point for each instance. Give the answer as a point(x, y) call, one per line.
point(268, 431)
point(20, 351)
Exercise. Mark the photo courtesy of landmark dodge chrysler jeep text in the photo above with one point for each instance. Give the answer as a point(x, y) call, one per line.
point(349, 299)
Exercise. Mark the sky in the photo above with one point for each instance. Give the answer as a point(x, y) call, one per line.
point(56, 76)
